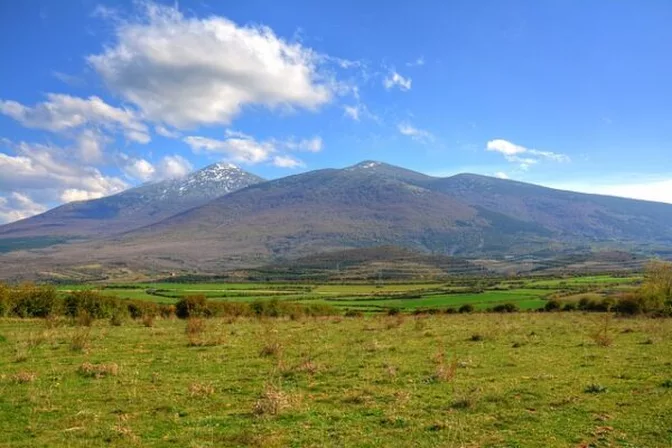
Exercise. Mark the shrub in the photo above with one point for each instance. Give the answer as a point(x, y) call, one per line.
point(595, 389)
point(393, 311)
point(451, 310)
point(137, 309)
point(353, 313)
point(569, 307)
point(466, 308)
point(92, 303)
point(29, 300)
point(552, 305)
point(629, 304)
point(506, 308)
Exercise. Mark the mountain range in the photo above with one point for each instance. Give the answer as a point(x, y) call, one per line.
point(222, 217)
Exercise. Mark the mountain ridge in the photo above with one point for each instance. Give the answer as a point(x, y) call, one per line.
point(374, 204)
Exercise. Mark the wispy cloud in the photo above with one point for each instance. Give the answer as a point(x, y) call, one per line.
point(524, 157)
point(417, 134)
point(394, 79)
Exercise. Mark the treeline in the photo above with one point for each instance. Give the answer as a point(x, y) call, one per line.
point(30, 300)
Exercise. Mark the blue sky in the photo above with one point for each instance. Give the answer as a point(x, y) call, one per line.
point(97, 97)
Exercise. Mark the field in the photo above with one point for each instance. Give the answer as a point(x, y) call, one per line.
point(525, 293)
point(463, 380)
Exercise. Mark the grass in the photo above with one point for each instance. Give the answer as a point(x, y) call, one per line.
point(529, 379)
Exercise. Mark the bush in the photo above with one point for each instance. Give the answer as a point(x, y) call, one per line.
point(466, 308)
point(353, 313)
point(569, 307)
point(393, 311)
point(29, 300)
point(451, 310)
point(192, 306)
point(629, 304)
point(506, 308)
point(91, 302)
point(552, 305)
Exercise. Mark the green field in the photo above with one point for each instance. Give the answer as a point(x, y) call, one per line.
point(481, 380)
point(525, 293)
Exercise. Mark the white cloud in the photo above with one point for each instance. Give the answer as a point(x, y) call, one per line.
point(17, 206)
point(501, 175)
point(90, 146)
point(309, 144)
point(352, 112)
point(139, 169)
point(394, 79)
point(173, 166)
point(165, 132)
point(417, 63)
point(74, 194)
point(45, 169)
point(168, 167)
point(64, 112)
point(416, 134)
point(238, 148)
point(287, 162)
point(521, 155)
point(505, 147)
point(187, 71)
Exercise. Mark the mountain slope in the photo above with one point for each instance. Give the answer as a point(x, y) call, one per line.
point(132, 208)
point(374, 204)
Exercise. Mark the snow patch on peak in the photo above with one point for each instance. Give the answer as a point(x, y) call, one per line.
point(367, 164)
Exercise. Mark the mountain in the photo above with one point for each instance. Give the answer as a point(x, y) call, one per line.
point(374, 204)
point(129, 209)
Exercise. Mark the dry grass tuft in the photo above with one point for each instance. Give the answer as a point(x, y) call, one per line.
point(273, 401)
point(195, 326)
point(602, 336)
point(98, 370)
point(199, 390)
point(23, 377)
point(272, 348)
point(445, 371)
point(148, 320)
point(81, 340)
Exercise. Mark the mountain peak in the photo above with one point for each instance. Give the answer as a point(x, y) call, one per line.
point(365, 165)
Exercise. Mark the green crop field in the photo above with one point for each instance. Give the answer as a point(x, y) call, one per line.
point(480, 380)
point(525, 293)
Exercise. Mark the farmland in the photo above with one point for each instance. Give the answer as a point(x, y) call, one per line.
point(370, 297)
point(488, 380)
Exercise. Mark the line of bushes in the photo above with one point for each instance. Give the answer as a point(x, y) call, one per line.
point(29, 300)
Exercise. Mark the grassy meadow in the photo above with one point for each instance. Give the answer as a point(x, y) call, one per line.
point(460, 380)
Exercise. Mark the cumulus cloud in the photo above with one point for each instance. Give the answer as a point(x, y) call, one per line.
point(501, 175)
point(64, 112)
point(169, 167)
point(394, 79)
point(41, 167)
point(174, 166)
point(239, 147)
point(15, 206)
point(186, 72)
point(521, 155)
point(419, 135)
